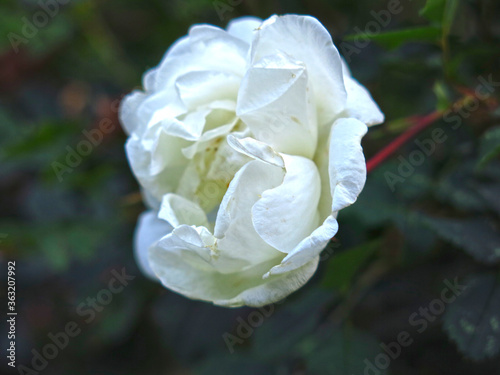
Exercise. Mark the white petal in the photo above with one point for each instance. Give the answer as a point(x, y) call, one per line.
point(244, 28)
point(274, 288)
point(160, 106)
point(150, 79)
point(177, 210)
point(207, 123)
point(233, 225)
point(287, 214)
point(207, 176)
point(347, 166)
point(194, 122)
point(274, 102)
point(149, 200)
point(321, 159)
point(192, 238)
point(193, 244)
point(360, 104)
point(256, 150)
point(308, 249)
point(190, 151)
point(203, 87)
point(205, 35)
point(206, 48)
point(128, 112)
point(305, 39)
point(149, 230)
point(216, 49)
point(184, 271)
point(156, 160)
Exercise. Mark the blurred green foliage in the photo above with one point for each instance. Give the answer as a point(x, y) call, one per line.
point(395, 246)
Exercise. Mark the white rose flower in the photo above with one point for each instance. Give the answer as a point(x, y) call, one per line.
point(246, 143)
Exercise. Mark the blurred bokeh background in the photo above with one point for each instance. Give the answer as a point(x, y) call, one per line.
point(423, 227)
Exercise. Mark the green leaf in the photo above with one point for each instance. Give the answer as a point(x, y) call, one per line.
point(419, 240)
point(10, 25)
point(340, 351)
point(56, 33)
point(449, 16)
point(117, 320)
point(289, 324)
point(54, 250)
point(376, 205)
point(489, 147)
point(233, 364)
point(441, 13)
point(397, 126)
point(44, 136)
point(459, 188)
point(490, 193)
point(58, 243)
point(342, 268)
point(442, 96)
point(393, 39)
point(476, 236)
point(473, 319)
point(433, 10)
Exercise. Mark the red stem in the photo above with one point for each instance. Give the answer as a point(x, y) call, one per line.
point(420, 123)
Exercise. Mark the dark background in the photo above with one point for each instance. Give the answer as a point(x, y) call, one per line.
point(395, 247)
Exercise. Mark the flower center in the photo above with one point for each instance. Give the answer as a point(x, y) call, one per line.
point(213, 163)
